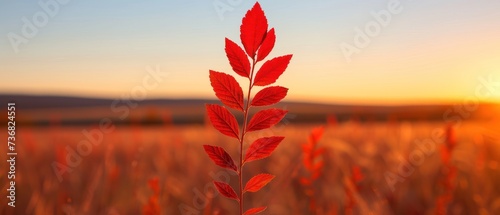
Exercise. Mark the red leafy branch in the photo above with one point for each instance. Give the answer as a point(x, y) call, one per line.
point(449, 172)
point(153, 205)
point(258, 42)
point(313, 163)
point(352, 188)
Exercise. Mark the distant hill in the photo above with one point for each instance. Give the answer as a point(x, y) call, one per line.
point(41, 110)
point(44, 102)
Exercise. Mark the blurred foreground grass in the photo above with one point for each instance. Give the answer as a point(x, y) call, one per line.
point(113, 177)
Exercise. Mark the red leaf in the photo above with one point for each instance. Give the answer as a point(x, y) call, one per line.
point(237, 58)
point(308, 162)
point(258, 182)
point(269, 96)
point(227, 89)
point(265, 119)
point(306, 148)
point(226, 190)
point(356, 174)
point(305, 181)
point(318, 152)
point(220, 157)
point(316, 173)
point(318, 166)
point(252, 211)
point(253, 29)
point(445, 155)
point(316, 134)
point(262, 148)
point(267, 45)
point(271, 70)
point(223, 120)
point(154, 184)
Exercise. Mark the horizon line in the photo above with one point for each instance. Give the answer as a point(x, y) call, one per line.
point(367, 103)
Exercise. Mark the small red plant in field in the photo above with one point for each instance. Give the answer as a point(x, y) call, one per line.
point(313, 162)
point(449, 172)
point(258, 41)
point(351, 188)
point(153, 205)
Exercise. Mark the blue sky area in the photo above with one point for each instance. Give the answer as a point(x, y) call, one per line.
point(430, 51)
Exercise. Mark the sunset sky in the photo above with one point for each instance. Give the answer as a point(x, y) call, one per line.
point(429, 52)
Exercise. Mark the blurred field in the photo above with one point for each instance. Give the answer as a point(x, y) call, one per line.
point(113, 178)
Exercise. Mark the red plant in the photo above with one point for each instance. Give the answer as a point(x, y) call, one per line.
point(313, 162)
point(257, 42)
point(449, 172)
point(352, 188)
point(153, 205)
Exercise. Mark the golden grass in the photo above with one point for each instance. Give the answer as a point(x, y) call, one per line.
point(113, 178)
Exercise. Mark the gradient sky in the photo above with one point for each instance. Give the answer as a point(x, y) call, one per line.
point(433, 51)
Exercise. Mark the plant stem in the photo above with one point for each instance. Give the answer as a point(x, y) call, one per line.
point(243, 132)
